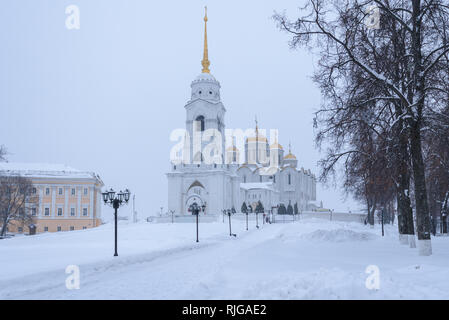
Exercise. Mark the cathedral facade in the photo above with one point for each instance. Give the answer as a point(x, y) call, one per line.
point(261, 173)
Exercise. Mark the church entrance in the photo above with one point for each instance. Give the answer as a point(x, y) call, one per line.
point(195, 194)
point(194, 199)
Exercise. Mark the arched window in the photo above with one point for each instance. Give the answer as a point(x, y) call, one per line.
point(244, 179)
point(200, 123)
point(289, 178)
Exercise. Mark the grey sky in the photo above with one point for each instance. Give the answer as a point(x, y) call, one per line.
point(106, 97)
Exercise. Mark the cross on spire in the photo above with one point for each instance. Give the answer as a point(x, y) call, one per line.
point(205, 62)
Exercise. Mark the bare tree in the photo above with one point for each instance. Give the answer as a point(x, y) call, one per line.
point(391, 74)
point(17, 197)
point(2, 153)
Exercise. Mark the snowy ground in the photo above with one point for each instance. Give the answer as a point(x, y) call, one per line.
point(309, 259)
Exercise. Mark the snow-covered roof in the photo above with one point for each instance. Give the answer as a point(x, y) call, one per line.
point(44, 170)
point(257, 185)
point(205, 77)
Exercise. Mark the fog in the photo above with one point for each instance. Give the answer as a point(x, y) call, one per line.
point(106, 97)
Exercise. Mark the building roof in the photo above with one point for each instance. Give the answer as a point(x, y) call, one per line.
point(260, 138)
point(257, 185)
point(276, 146)
point(205, 77)
point(290, 156)
point(44, 170)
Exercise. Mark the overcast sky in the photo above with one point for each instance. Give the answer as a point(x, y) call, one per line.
point(106, 97)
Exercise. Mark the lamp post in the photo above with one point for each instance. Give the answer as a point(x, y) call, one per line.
point(172, 212)
point(257, 216)
point(229, 214)
point(116, 200)
point(195, 209)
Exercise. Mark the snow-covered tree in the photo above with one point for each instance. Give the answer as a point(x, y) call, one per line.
point(401, 62)
point(244, 208)
point(2, 153)
point(289, 209)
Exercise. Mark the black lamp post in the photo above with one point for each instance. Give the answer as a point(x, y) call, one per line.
point(257, 216)
point(246, 219)
point(195, 209)
point(229, 214)
point(172, 212)
point(116, 200)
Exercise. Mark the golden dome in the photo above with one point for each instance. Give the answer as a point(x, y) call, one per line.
point(258, 139)
point(276, 146)
point(290, 156)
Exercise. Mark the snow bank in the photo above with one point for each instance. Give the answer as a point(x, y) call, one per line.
point(338, 235)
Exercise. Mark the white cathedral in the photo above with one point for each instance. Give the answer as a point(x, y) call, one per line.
point(264, 174)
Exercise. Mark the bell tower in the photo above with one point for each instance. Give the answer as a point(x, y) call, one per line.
point(205, 111)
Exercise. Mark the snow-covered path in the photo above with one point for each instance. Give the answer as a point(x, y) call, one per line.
point(310, 259)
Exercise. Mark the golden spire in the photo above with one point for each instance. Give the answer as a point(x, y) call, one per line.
point(205, 62)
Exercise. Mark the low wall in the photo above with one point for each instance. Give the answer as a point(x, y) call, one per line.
point(182, 219)
point(277, 218)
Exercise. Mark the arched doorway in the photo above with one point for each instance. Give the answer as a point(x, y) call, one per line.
point(195, 194)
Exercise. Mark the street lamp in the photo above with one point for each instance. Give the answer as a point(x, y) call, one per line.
point(116, 200)
point(172, 212)
point(257, 216)
point(229, 214)
point(195, 209)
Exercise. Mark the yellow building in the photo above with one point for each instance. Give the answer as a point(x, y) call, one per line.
point(66, 199)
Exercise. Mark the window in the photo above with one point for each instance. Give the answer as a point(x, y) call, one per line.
point(59, 211)
point(244, 179)
point(84, 211)
point(72, 228)
point(73, 191)
point(59, 228)
point(260, 178)
point(84, 228)
point(274, 179)
point(199, 123)
point(20, 229)
point(72, 212)
point(60, 191)
point(47, 211)
point(85, 191)
point(289, 179)
point(45, 229)
point(33, 191)
point(33, 211)
point(47, 191)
